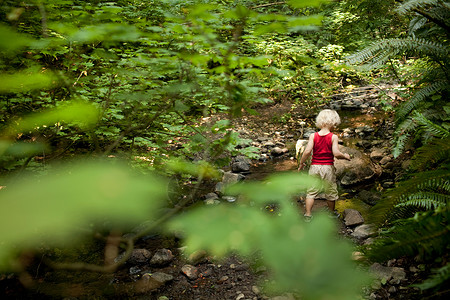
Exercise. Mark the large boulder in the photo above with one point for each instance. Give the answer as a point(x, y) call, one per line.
point(359, 169)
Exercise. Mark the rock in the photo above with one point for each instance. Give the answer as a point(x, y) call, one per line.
point(300, 147)
point(162, 277)
point(229, 198)
point(352, 217)
point(139, 256)
point(385, 160)
point(229, 178)
point(356, 255)
point(219, 188)
point(190, 271)
point(359, 169)
point(212, 199)
point(134, 270)
point(386, 274)
point(369, 197)
point(256, 290)
point(241, 164)
point(308, 133)
point(392, 289)
point(162, 257)
point(277, 151)
point(212, 202)
point(211, 196)
point(146, 284)
point(377, 154)
point(240, 296)
point(240, 167)
point(269, 144)
point(198, 257)
point(363, 231)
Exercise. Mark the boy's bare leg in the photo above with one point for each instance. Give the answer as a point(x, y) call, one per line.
point(331, 205)
point(309, 202)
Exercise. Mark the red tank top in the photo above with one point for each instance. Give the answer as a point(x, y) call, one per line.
point(322, 150)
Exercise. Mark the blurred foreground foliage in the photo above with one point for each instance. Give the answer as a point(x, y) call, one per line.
point(297, 254)
point(123, 85)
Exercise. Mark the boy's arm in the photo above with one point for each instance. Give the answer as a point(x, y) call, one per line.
point(336, 152)
point(307, 152)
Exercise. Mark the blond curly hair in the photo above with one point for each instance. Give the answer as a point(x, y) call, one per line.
point(328, 118)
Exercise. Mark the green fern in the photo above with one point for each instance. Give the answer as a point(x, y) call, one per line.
point(420, 97)
point(426, 234)
point(402, 135)
point(440, 276)
point(434, 129)
point(426, 200)
point(386, 212)
point(438, 151)
point(380, 50)
point(415, 4)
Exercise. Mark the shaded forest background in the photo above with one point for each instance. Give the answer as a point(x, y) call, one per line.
point(103, 107)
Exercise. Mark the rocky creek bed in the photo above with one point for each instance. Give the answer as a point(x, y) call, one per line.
point(158, 269)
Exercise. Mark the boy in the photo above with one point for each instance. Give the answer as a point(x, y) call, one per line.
point(324, 148)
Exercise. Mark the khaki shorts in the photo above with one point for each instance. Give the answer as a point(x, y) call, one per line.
point(328, 174)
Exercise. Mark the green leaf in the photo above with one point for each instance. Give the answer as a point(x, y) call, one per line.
point(276, 188)
point(24, 81)
point(201, 169)
point(11, 41)
point(306, 3)
point(55, 208)
point(180, 106)
point(270, 28)
point(249, 230)
point(20, 149)
point(80, 113)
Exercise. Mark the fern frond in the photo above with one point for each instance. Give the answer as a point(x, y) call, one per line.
point(439, 277)
point(403, 134)
point(426, 200)
point(381, 48)
point(414, 4)
point(416, 24)
point(428, 155)
point(385, 210)
point(420, 97)
point(434, 129)
point(425, 234)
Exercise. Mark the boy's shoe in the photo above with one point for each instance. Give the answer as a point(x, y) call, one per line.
point(334, 214)
point(307, 218)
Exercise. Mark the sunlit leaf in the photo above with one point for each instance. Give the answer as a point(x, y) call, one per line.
point(106, 32)
point(11, 40)
point(26, 81)
point(200, 169)
point(306, 3)
point(79, 113)
point(270, 28)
